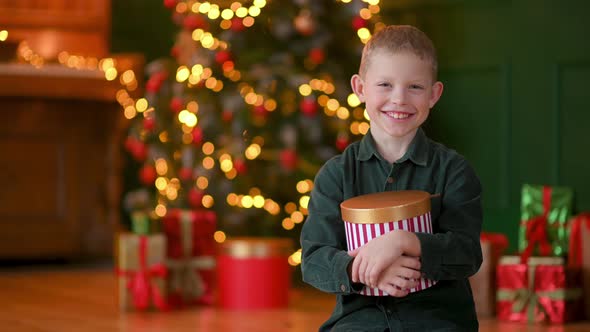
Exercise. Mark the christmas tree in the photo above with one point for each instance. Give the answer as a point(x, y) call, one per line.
point(254, 99)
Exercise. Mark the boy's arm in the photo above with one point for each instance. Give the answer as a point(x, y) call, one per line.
point(325, 262)
point(454, 251)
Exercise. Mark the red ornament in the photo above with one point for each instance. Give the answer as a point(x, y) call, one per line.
point(185, 173)
point(237, 25)
point(260, 111)
point(176, 104)
point(317, 55)
point(175, 51)
point(359, 23)
point(240, 166)
point(223, 56)
point(153, 86)
point(149, 124)
point(136, 148)
point(147, 175)
point(308, 106)
point(342, 142)
point(227, 115)
point(192, 22)
point(288, 159)
point(155, 81)
point(197, 136)
point(170, 3)
point(195, 197)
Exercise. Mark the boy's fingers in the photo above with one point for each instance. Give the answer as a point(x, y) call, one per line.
point(374, 273)
point(411, 262)
point(355, 270)
point(362, 271)
point(354, 252)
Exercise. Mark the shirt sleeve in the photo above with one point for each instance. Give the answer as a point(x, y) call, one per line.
point(323, 241)
point(454, 252)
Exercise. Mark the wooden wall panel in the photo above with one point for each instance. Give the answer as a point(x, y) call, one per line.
point(32, 179)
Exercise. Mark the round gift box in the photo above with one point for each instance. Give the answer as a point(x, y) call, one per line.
point(369, 216)
point(254, 273)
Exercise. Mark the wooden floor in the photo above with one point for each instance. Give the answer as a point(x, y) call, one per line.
point(82, 299)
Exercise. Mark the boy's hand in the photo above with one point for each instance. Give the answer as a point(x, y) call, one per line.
point(401, 276)
point(374, 257)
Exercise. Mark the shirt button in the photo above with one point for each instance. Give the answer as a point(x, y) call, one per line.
point(390, 180)
point(343, 288)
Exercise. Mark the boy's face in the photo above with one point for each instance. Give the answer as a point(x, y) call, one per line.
point(398, 92)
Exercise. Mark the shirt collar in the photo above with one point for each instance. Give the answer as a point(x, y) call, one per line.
point(417, 152)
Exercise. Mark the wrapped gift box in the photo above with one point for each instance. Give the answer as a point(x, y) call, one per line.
point(483, 283)
point(191, 256)
point(543, 290)
point(254, 273)
point(545, 212)
point(579, 253)
point(141, 272)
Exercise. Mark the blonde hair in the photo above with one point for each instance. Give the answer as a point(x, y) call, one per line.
point(398, 39)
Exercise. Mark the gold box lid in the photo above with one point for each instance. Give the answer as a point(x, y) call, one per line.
point(386, 206)
point(250, 247)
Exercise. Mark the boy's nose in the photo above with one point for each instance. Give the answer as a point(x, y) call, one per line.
point(398, 96)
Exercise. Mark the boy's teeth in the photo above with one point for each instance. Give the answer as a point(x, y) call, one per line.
point(398, 115)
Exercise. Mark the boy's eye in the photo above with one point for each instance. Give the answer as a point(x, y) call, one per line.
point(416, 86)
point(384, 84)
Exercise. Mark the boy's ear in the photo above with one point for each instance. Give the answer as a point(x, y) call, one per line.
point(437, 90)
point(358, 87)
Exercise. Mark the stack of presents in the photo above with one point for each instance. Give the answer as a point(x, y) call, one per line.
point(167, 264)
point(549, 280)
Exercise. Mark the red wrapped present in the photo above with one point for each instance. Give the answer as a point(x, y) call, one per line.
point(141, 272)
point(254, 273)
point(579, 253)
point(483, 283)
point(543, 290)
point(191, 256)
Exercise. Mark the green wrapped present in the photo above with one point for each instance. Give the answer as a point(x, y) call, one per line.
point(141, 223)
point(545, 212)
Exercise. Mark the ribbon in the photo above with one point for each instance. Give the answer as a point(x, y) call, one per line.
point(536, 230)
point(575, 248)
point(499, 242)
point(143, 290)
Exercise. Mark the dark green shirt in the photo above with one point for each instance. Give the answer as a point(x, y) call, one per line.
point(450, 255)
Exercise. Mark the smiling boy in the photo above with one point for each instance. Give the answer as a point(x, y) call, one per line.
point(397, 81)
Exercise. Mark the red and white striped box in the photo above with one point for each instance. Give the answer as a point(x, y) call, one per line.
point(369, 216)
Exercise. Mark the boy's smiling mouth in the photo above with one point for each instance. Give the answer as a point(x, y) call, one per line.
point(398, 115)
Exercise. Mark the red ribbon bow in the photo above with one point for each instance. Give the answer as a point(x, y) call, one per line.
point(143, 290)
point(575, 249)
point(536, 230)
point(499, 242)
